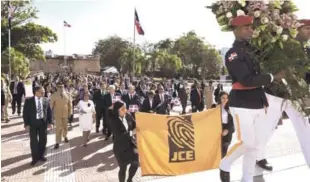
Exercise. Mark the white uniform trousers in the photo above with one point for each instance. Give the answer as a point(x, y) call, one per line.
point(249, 130)
point(299, 121)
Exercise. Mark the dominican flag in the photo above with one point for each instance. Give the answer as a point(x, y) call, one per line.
point(138, 25)
point(67, 24)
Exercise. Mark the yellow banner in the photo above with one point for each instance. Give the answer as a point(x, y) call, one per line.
point(175, 145)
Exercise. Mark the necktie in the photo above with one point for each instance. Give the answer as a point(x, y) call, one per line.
point(40, 114)
point(199, 95)
point(161, 97)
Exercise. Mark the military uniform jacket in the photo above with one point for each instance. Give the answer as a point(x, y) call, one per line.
point(245, 70)
point(61, 105)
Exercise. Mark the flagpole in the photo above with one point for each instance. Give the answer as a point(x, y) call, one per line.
point(64, 29)
point(10, 68)
point(134, 44)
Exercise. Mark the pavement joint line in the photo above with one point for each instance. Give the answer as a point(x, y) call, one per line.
point(59, 166)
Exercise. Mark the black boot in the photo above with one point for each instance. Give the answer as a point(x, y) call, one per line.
point(56, 146)
point(264, 165)
point(225, 176)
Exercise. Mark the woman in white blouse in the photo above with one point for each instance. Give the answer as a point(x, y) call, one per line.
point(87, 115)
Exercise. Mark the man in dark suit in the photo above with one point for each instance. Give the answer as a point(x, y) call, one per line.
point(182, 95)
point(98, 99)
point(148, 104)
point(162, 101)
point(37, 117)
point(132, 100)
point(197, 98)
point(122, 91)
point(109, 99)
point(17, 89)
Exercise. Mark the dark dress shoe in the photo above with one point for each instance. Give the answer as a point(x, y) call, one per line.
point(264, 165)
point(225, 176)
point(129, 180)
point(66, 140)
point(33, 162)
point(108, 136)
point(56, 146)
point(43, 159)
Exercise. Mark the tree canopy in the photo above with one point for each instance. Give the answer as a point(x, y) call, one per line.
point(187, 55)
point(25, 35)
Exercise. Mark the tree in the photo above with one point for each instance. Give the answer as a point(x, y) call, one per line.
point(19, 63)
point(111, 50)
point(126, 60)
point(198, 57)
point(166, 44)
point(25, 35)
point(170, 64)
point(224, 71)
point(211, 63)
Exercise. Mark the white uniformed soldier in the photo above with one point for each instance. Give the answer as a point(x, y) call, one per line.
point(247, 100)
point(277, 105)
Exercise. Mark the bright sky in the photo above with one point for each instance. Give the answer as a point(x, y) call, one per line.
point(92, 20)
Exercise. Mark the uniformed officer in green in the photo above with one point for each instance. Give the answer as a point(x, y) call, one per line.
point(6, 98)
point(61, 106)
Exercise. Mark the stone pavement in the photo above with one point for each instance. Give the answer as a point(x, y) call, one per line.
point(74, 163)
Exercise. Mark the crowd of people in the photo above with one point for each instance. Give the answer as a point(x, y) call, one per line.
point(109, 101)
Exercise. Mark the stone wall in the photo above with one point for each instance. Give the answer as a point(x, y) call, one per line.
point(52, 65)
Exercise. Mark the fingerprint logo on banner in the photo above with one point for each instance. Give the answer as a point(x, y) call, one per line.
point(181, 139)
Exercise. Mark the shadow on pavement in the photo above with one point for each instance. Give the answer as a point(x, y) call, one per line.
point(8, 125)
point(13, 160)
point(97, 152)
point(15, 117)
point(259, 179)
point(13, 134)
point(18, 169)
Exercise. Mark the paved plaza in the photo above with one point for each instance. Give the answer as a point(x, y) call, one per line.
point(74, 163)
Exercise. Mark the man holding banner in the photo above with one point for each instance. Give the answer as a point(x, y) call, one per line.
point(248, 101)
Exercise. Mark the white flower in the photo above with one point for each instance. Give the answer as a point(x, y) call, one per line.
point(297, 25)
point(240, 13)
point(229, 15)
point(256, 33)
point(264, 20)
point(273, 40)
point(242, 2)
point(284, 37)
point(256, 14)
point(279, 30)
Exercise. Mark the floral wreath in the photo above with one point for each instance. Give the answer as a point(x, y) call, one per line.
point(275, 29)
point(274, 22)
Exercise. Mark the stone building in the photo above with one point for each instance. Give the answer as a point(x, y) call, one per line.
point(76, 63)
